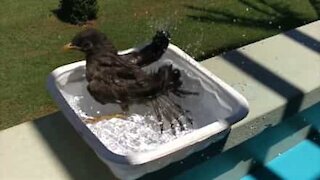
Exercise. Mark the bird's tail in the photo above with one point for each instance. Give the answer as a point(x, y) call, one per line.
point(165, 108)
point(170, 81)
point(169, 78)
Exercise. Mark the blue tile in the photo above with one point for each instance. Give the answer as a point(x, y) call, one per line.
point(300, 162)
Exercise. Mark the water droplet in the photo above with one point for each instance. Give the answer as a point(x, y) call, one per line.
point(98, 112)
point(247, 9)
point(279, 27)
point(314, 138)
point(244, 35)
point(234, 20)
point(270, 22)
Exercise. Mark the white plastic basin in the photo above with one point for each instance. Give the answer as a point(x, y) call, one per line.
point(216, 108)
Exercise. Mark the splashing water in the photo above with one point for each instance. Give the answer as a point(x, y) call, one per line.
point(137, 133)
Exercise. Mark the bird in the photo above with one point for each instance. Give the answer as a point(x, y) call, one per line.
point(120, 79)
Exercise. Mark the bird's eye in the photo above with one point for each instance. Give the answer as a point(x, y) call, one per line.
point(87, 45)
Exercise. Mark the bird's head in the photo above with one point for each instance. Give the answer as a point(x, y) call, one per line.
point(88, 41)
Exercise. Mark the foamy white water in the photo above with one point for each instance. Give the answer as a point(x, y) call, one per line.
point(137, 133)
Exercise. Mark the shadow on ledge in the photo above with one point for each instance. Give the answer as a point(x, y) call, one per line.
point(75, 155)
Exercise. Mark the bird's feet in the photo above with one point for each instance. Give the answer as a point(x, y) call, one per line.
point(93, 120)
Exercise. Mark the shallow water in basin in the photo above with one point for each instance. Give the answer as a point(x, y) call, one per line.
point(137, 133)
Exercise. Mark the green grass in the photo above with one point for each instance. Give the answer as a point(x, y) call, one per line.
point(31, 37)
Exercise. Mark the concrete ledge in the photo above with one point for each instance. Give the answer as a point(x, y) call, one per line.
point(48, 148)
point(279, 76)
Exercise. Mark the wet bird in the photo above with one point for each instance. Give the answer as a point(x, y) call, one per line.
point(119, 79)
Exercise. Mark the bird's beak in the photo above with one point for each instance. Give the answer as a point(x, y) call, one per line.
point(70, 46)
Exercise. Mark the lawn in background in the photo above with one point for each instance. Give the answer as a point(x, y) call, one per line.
point(31, 37)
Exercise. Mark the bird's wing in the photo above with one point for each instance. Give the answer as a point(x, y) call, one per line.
point(145, 56)
point(154, 84)
point(150, 53)
point(127, 70)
